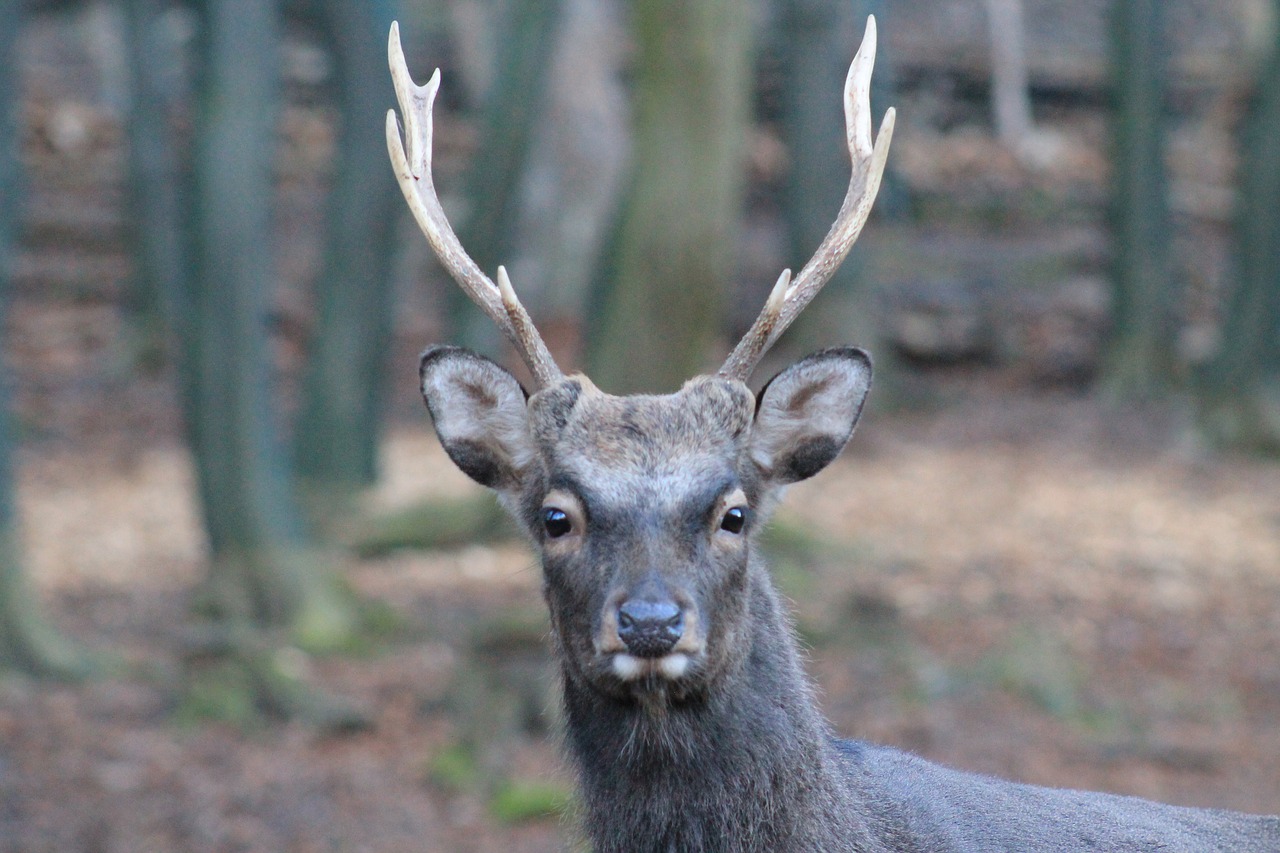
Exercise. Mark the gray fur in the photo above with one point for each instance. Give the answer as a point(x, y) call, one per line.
point(721, 747)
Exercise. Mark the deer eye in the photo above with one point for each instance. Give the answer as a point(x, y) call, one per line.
point(735, 518)
point(556, 522)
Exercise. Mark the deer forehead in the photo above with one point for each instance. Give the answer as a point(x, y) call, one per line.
point(655, 447)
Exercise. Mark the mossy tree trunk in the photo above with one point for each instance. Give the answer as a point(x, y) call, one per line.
point(27, 641)
point(337, 432)
point(1140, 359)
point(336, 436)
point(265, 571)
point(1239, 388)
point(661, 306)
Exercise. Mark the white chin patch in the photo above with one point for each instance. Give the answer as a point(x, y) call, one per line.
point(630, 668)
point(673, 666)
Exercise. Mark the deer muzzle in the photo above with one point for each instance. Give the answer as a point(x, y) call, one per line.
point(651, 632)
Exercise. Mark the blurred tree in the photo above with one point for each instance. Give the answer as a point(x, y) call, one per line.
point(153, 217)
point(1010, 89)
point(267, 578)
point(336, 436)
point(1238, 390)
point(525, 45)
point(27, 641)
point(1140, 357)
point(661, 309)
point(337, 431)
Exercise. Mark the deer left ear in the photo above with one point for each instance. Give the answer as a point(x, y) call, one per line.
point(807, 413)
point(480, 415)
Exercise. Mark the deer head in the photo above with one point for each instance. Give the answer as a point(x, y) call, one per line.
point(643, 507)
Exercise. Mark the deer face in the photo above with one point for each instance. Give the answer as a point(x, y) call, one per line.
point(643, 508)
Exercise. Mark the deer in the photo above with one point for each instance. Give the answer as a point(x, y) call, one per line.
point(688, 716)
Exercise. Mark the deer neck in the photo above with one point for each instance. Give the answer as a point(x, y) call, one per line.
point(749, 766)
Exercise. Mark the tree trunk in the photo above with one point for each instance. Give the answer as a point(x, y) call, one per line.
point(1239, 389)
point(27, 641)
point(1140, 358)
point(336, 436)
point(265, 571)
point(662, 313)
point(1010, 90)
point(152, 189)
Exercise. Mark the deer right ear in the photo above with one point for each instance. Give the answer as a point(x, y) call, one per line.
point(480, 414)
point(807, 413)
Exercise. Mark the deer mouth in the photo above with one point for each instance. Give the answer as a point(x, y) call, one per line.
point(678, 664)
point(668, 667)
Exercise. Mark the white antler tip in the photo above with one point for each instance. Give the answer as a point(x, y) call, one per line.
point(866, 54)
point(857, 92)
point(394, 51)
point(505, 289)
point(887, 123)
point(778, 295)
point(393, 130)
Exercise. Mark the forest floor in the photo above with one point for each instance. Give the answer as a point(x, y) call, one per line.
point(1020, 583)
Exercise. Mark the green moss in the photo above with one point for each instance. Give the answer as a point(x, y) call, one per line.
point(516, 801)
point(1039, 668)
point(455, 768)
point(434, 524)
point(223, 693)
point(794, 549)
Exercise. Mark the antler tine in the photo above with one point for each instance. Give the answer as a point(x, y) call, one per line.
point(790, 296)
point(413, 172)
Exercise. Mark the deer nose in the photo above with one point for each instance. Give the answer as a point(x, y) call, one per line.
point(649, 629)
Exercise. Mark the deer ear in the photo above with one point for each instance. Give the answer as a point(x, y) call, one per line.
point(480, 415)
point(807, 413)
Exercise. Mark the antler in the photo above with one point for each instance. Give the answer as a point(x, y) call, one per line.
point(788, 298)
point(413, 171)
